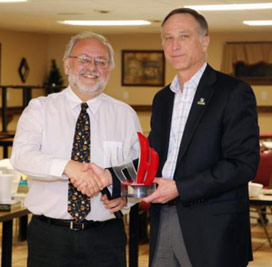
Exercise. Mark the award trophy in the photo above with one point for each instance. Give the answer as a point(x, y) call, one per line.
point(140, 183)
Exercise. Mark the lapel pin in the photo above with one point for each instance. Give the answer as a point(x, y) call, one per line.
point(201, 101)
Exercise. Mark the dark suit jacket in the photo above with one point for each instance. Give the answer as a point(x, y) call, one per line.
point(218, 155)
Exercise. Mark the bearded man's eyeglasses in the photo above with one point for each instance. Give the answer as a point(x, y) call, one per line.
point(84, 60)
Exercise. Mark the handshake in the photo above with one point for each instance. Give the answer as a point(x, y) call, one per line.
point(88, 178)
point(91, 179)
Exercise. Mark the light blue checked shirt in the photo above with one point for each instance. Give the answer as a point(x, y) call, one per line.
point(182, 105)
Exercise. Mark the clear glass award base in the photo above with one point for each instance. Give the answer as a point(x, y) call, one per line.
point(134, 190)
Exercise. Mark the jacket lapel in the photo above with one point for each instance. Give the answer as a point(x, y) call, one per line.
point(166, 118)
point(201, 101)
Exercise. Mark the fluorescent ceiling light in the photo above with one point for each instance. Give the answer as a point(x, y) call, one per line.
point(231, 7)
point(12, 1)
point(258, 22)
point(105, 22)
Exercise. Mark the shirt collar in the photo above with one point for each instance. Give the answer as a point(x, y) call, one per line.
point(175, 85)
point(75, 101)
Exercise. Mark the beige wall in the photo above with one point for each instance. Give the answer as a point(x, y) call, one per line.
point(39, 49)
point(15, 46)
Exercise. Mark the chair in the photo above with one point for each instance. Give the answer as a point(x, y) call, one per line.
point(264, 173)
point(6, 141)
point(266, 136)
point(264, 177)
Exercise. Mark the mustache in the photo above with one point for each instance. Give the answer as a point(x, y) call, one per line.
point(91, 73)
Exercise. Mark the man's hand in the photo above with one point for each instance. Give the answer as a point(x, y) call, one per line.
point(103, 175)
point(83, 178)
point(166, 191)
point(114, 204)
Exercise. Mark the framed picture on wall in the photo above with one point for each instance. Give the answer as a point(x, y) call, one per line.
point(143, 68)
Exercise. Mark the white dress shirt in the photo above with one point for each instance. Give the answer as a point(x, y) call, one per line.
point(182, 105)
point(43, 144)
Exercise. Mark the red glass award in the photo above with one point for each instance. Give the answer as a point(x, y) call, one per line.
point(140, 183)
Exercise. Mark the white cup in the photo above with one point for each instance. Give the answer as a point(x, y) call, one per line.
point(5, 188)
point(254, 189)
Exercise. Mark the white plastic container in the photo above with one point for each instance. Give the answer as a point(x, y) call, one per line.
point(254, 189)
point(5, 188)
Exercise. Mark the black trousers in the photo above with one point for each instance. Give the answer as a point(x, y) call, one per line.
point(56, 246)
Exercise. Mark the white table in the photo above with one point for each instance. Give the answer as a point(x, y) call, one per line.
point(258, 203)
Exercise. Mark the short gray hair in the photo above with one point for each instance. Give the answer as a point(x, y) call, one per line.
point(87, 35)
point(200, 19)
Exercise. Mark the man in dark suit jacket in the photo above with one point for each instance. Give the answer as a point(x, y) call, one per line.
point(204, 127)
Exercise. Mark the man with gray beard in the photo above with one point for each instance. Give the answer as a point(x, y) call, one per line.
point(56, 138)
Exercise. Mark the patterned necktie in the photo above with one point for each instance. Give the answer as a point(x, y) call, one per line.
point(79, 204)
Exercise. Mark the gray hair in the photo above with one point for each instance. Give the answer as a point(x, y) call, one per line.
point(87, 35)
point(201, 21)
